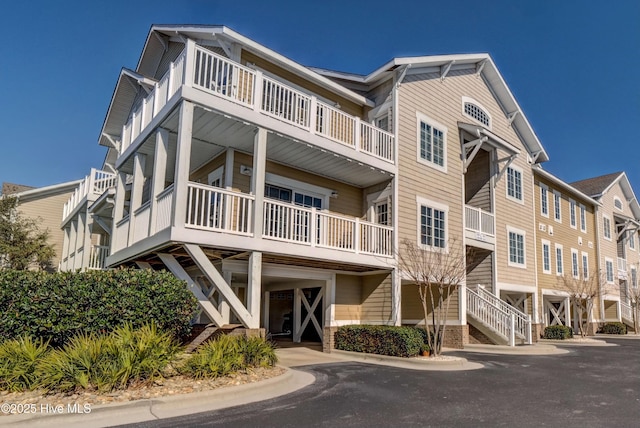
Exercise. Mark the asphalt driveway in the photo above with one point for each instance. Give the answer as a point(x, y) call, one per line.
point(589, 387)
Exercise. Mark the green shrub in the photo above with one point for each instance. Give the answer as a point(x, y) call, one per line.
point(18, 360)
point(613, 328)
point(57, 306)
point(560, 332)
point(105, 362)
point(382, 340)
point(228, 354)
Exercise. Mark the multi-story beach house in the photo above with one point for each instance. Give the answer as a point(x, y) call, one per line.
point(282, 193)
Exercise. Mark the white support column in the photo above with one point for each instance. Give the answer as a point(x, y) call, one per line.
point(139, 162)
point(254, 286)
point(258, 179)
point(228, 169)
point(330, 301)
point(88, 228)
point(265, 312)
point(396, 297)
point(183, 157)
point(79, 238)
point(65, 249)
point(118, 212)
point(159, 175)
point(223, 305)
point(297, 316)
point(567, 312)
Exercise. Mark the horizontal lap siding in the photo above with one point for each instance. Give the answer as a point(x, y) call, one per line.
point(483, 272)
point(563, 234)
point(412, 305)
point(348, 297)
point(376, 298)
point(609, 248)
point(47, 212)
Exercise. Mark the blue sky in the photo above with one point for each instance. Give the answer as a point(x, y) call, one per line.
point(572, 66)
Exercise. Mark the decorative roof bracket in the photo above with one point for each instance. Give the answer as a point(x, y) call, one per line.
point(480, 66)
point(507, 161)
point(475, 147)
point(404, 73)
point(112, 140)
point(444, 71)
point(511, 116)
point(162, 41)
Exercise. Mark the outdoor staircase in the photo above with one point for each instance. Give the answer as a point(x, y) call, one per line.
point(210, 332)
point(496, 319)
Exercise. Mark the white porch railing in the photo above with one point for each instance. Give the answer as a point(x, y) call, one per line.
point(478, 220)
point(222, 77)
point(95, 183)
point(214, 208)
point(626, 311)
point(98, 256)
point(291, 223)
point(498, 315)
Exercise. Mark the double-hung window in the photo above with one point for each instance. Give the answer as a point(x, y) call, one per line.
point(583, 218)
point(514, 184)
point(572, 213)
point(559, 266)
point(606, 225)
point(516, 248)
point(544, 200)
point(557, 211)
point(632, 240)
point(546, 256)
point(609, 270)
point(433, 224)
point(585, 266)
point(574, 263)
point(432, 139)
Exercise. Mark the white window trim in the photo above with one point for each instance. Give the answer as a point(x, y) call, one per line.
point(583, 220)
point(561, 264)
point(524, 247)
point(576, 273)
point(632, 238)
point(466, 99)
point(215, 175)
point(506, 184)
point(301, 187)
point(613, 271)
point(557, 206)
point(604, 231)
point(546, 188)
point(573, 214)
point(585, 256)
point(420, 201)
point(633, 284)
point(548, 244)
point(617, 199)
point(435, 124)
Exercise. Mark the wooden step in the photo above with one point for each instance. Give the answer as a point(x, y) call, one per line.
point(210, 332)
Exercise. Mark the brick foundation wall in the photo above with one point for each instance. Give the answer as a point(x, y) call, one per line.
point(456, 336)
point(328, 342)
point(536, 332)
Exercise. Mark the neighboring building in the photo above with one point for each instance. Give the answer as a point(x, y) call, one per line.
point(566, 243)
point(44, 204)
point(618, 220)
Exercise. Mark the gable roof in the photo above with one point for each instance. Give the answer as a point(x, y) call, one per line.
point(597, 186)
point(484, 66)
point(41, 192)
point(537, 169)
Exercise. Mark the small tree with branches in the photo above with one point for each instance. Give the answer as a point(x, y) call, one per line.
point(633, 293)
point(23, 244)
point(438, 274)
point(583, 292)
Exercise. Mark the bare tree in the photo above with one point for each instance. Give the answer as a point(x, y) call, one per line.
point(633, 294)
point(438, 274)
point(583, 292)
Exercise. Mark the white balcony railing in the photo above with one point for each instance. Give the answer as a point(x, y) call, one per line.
point(214, 208)
point(98, 256)
point(479, 221)
point(96, 183)
point(224, 78)
point(626, 311)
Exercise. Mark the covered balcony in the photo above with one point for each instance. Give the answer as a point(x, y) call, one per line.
point(213, 81)
point(90, 189)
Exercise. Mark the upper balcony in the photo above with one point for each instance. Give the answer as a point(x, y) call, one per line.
point(93, 185)
point(479, 225)
point(252, 92)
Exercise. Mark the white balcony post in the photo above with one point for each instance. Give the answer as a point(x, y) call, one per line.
point(183, 160)
point(313, 115)
point(88, 228)
point(356, 236)
point(529, 333)
point(314, 228)
point(257, 91)
point(159, 173)
point(92, 182)
point(512, 330)
point(65, 249)
point(118, 212)
point(139, 162)
point(254, 287)
point(189, 61)
point(396, 297)
point(79, 238)
point(258, 178)
point(356, 134)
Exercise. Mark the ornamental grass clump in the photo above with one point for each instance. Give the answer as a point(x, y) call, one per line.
point(228, 354)
point(18, 361)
